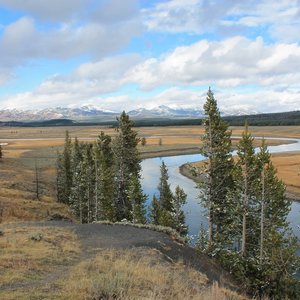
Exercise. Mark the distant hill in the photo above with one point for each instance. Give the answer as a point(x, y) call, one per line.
point(270, 119)
point(144, 117)
point(93, 114)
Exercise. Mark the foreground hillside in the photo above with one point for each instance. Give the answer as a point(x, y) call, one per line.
point(61, 260)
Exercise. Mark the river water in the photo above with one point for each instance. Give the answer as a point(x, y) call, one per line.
point(194, 211)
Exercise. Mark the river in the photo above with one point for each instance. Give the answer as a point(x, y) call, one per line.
point(194, 211)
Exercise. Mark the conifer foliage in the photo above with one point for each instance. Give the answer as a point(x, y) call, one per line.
point(166, 210)
point(101, 181)
point(216, 148)
point(247, 211)
point(127, 165)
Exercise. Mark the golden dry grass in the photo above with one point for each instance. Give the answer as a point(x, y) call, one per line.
point(125, 274)
point(23, 259)
point(288, 168)
point(93, 131)
point(18, 199)
point(138, 274)
point(17, 169)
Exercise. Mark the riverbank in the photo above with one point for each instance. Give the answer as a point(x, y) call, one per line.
point(286, 164)
point(169, 152)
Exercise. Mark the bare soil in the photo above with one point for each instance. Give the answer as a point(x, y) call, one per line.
point(93, 237)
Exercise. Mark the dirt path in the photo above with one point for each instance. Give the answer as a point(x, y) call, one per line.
point(102, 236)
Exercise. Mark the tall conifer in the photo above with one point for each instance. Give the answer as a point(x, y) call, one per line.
point(104, 179)
point(64, 172)
point(216, 148)
point(127, 164)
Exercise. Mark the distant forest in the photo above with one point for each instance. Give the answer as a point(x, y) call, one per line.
point(267, 119)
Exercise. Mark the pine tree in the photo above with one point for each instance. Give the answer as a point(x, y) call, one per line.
point(167, 209)
point(247, 188)
point(179, 200)
point(277, 252)
point(269, 260)
point(104, 179)
point(78, 187)
point(78, 192)
point(137, 199)
point(165, 193)
point(165, 198)
point(155, 211)
point(64, 172)
point(127, 164)
point(89, 179)
point(216, 148)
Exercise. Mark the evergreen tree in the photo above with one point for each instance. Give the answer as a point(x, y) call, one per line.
point(1, 152)
point(155, 211)
point(137, 199)
point(216, 148)
point(89, 179)
point(64, 172)
point(127, 164)
point(165, 198)
point(246, 184)
point(179, 200)
point(76, 155)
point(269, 260)
point(167, 209)
point(78, 192)
point(104, 179)
point(165, 193)
point(277, 252)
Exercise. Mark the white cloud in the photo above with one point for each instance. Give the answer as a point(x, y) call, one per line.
point(228, 64)
point(194, 16)
point(86, 84)
point(111, 67)
point(232, 62)
point(54, 10)
point(95, 34)
point(280, 19)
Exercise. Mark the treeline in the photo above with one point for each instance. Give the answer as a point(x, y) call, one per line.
point(271, 119)
point(248, 231)
point(102, 181)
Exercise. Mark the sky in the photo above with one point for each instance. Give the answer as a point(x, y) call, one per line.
point(123, 55)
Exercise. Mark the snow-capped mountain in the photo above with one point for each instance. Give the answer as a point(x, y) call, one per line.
point(78, 113)
point(238, 111)
point(166, 111)
point(89, 112)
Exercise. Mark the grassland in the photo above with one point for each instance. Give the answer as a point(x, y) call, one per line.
point(29, 254)
point(20, 155)
point(29, 267)
point(53, 267)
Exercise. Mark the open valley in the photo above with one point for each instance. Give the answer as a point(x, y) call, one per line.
point(39, 260)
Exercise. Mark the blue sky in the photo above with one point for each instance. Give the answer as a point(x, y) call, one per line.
point(118, 55)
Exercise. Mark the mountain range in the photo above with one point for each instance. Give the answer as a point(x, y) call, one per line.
point(91, 113)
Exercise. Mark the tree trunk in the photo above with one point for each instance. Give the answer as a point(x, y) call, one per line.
point(262, 218)
point(245, 210)
point(96, 190)
point(210, 212)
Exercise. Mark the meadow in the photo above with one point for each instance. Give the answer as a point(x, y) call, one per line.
point(46, 262)
point(31, 149)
